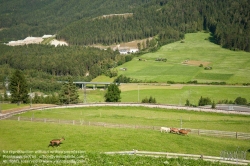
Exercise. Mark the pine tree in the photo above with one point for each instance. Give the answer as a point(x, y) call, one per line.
point(68, 93)
point(18, 88)
point(113, 93)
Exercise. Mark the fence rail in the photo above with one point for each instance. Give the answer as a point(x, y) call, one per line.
point(223, 159)
point(216, 133)
point(237, 135)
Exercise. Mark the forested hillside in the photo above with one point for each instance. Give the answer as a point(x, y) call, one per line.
point(228, 20)
point(79, 22)
point(22, 18)
point(45, 65)
point(82, 23)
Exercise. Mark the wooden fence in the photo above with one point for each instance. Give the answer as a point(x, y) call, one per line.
point(229, 134)
point(223, 159)
point(216, 133)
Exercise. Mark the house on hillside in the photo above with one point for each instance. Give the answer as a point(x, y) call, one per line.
point(127, 50)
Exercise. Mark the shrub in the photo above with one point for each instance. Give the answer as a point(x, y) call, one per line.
point(113, 94)
point(240, 101)
point(204, 101)
point(150, 100)
point(213, 105)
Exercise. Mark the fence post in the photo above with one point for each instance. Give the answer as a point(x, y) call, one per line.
point(45, 120)
point(198, 131)
point(236, 135)
point(18, 118)
point(73, 122)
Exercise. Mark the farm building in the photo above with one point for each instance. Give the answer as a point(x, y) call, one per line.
point(127, 50)
point(27, 40)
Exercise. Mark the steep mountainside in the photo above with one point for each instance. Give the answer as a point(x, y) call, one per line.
point(74, 21)
point(21, 18)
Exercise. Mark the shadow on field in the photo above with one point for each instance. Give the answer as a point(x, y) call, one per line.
point(212, 39)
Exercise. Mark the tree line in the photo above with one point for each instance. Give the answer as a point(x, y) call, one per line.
point(227, 20)
point(45, 65)
point(20, 19)
point(80, 22)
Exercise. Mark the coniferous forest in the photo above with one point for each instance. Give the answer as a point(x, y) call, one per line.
point(83, 23)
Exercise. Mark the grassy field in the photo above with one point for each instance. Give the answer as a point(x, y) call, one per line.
point(178, 94)
point(171, 94)
point(183, 60)
point(20, 135)
point(148, 117)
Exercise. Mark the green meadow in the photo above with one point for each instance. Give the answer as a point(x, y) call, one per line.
point(182, 65)
point(184, 58)
point(23, 135)
point(143, 116)
point(171, 94)
point(178, 94)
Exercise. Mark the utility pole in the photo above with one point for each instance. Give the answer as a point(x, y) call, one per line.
point(85, 94)
point(138, 93)
point(30, 99)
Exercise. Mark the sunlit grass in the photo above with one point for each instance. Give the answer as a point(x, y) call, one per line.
point(143, 116)
point(233, 64)
point(36, 136)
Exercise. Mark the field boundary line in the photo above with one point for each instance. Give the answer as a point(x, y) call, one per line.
point(222, 159)
point(215, 133)
point(175, 107)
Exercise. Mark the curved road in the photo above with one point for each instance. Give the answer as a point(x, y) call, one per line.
point(227, 109)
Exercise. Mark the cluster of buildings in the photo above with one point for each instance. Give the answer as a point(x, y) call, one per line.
point(36, 40)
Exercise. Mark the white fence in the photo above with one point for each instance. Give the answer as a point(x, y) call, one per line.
point(216, 133)
point(229, 134)
point(222, 159)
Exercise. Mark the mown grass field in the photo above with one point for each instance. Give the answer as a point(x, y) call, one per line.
point(227, 66)
point(20, 135)
point(171, 94)
point(143, 116)
point(178, 94)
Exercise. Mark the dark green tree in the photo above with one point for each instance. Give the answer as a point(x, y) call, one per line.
point(204, 101)
point(148, 100)
point(68, 93)
point(213, 105)
point(240, 101)
point(187, 103)
point(18, 88)
point(151, 100)
point(113, 93)
point(5, 96)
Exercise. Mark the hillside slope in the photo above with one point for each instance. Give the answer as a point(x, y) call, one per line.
point(184, 59)
point(168, 20)
point(36, 18)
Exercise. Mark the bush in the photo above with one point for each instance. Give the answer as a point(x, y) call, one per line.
point(204, 101)
point(150, 100)
point(240, 101)
point(113, 93)
point(213, 105)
